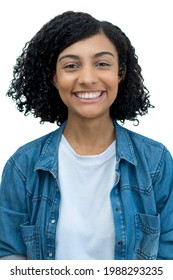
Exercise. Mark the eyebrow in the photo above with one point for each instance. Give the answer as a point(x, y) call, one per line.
point(94, 56)
point(103, 53)
point(69, 56)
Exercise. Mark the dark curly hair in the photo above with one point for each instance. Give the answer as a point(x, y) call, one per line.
point(32, 85)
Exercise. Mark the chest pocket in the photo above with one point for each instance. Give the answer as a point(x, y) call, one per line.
point(147, 229)
point(31, 239)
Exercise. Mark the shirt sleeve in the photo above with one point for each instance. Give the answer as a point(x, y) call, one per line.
point(13, 257)
point(13, 211)
point(164, 198)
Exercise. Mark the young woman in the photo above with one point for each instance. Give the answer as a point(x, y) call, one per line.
point(91, 189)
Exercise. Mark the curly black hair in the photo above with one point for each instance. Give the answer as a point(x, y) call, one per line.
point(32, 85)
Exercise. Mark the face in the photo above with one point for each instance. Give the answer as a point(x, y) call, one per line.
point(87, 77)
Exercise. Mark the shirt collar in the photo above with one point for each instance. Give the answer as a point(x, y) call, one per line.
point(124, 148)
point(48, 159)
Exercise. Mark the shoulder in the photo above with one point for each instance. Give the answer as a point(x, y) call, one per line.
point(140, 141)
point(34, 146)
point(44, 147)
point(153, 150)
point(148, 145)
point(144, 142)
point(142, 149)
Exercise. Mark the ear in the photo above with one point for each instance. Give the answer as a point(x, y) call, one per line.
point(54, 80)
point(122, 73)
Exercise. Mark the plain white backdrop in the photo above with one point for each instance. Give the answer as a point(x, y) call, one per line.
point(148, 24)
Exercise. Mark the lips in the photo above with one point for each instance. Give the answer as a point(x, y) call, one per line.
point(89, 95)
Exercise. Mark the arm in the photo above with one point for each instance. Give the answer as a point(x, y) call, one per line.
point(164, 198)
point(13, 257)
point(13, 212)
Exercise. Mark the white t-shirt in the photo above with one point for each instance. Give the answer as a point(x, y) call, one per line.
point(85, 229)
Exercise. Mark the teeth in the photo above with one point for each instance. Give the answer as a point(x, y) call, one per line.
point(89, 95)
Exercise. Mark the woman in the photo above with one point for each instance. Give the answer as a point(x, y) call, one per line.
point(91, 189)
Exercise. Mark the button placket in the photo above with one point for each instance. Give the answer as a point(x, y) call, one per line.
point(52, 222)
point(120, 242)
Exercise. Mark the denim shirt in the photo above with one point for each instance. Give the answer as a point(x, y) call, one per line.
point(142, 199)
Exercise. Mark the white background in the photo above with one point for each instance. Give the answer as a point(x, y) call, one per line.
point(148, 24)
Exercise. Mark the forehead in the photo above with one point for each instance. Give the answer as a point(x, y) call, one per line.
point(93, 44)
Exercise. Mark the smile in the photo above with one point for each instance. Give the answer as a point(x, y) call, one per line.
point(89, 95)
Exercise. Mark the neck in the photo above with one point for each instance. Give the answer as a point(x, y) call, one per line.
point(89, 137)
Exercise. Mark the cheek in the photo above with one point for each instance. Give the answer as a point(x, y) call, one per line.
point(63, 93)
point(64, 97)
point(64, 83)
point(113, 82)
point(64, 88)
point(111, 79)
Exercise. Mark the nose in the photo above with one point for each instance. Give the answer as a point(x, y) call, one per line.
point(87, 76)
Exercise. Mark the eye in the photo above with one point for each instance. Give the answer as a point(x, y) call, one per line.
point(103, 64)
point(71, 66)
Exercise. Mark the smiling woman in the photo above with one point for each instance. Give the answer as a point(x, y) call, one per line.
point(91, 189)
point(87, 78)
point(32, 86)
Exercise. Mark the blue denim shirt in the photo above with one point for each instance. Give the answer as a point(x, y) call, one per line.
point(142, 199)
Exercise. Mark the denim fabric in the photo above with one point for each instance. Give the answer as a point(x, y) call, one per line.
point(142, 199)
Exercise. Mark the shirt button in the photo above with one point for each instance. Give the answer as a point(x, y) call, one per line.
point(120, 243)
point(57, 189)
point(53, 221)
point(50, 254)
point(117, 209)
